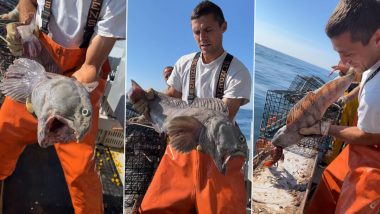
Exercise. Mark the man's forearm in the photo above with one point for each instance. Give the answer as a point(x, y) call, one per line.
point(353, 94)
point(233, 106)
point(96, 55)
point(171, 92)
point(26, 8)
point(353, 135)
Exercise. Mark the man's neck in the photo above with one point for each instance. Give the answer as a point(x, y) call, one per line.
point(209, 58)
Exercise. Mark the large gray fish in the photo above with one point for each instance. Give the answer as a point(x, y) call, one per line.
point(205, 123)
point(61, 104)
point(307, 112)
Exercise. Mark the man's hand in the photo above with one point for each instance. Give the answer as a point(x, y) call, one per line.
point(342, 100)
point(13, 39)
point(320, 128)
point(142, 106)
point(22, 39)
point(12, 15)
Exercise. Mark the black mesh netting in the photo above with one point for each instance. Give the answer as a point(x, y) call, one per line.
point(6, 57)
point(144, 148)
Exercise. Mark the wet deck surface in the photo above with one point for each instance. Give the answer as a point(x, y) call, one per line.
point(37, 185)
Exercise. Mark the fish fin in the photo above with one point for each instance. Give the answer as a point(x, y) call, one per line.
point(90, 86)
point(184, 132)
point(136, 92)
point(298, 111)
point(29, 105)
point(210, 103)
point(21, 77)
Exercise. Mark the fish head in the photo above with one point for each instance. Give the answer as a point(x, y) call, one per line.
point(285, 137)
point(66, 115)
point(226, 140)
point(280, 137)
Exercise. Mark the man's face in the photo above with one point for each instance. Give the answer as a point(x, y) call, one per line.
point(208, 34)
point(167, 72)
point(359, 56)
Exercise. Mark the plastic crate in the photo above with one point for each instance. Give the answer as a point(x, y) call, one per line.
point(111, 138)
point(111, 180)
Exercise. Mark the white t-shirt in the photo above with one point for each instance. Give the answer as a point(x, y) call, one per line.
point(68, 19)
point(237, 83)
point(369, 102)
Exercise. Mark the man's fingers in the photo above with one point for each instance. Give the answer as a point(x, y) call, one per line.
point(149, 93)
point(306, 131)
point(140, 106)
point(315, 129)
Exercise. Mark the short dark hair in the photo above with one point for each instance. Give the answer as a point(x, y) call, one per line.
point(207, 7)
point(168, 67)
point(359, 17)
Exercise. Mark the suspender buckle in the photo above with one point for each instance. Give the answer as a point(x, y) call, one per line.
point(190, 98)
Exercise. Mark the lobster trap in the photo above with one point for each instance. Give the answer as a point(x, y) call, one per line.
point(278, 103)
point(6, 58)
point(144, 148)
point(303, 84)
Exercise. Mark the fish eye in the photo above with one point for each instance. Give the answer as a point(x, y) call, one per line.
point(241, 138)
point(85, 112)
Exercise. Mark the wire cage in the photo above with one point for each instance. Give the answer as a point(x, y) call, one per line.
point(6, 58)
point(304, 84)
point(144, 148)
point(277, 106)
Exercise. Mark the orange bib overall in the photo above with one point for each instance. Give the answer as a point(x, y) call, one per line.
point(19, 128)
point(191, 183)
point(350, 184)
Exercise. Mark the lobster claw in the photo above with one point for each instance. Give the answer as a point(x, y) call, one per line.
point(275, 156)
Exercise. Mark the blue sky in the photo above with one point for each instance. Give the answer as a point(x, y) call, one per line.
point(296, 28)
point(159, 33)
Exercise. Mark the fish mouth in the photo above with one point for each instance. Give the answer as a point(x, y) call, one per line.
point(226, 159)
point(58, 129)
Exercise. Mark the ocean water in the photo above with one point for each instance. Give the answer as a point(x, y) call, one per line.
point(244, 120)
point(275, 71)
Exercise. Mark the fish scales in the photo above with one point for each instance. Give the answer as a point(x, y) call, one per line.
point(307, 112)
point(204, 122)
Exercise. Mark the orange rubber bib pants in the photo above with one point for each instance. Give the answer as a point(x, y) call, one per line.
point(18, 128)
point(191, 183)
point(351, 183)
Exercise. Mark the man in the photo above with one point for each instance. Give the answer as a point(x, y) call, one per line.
point(82, 55)
point(191, 183)
point(349, 104)
point(350, 184)
point(167, 72)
